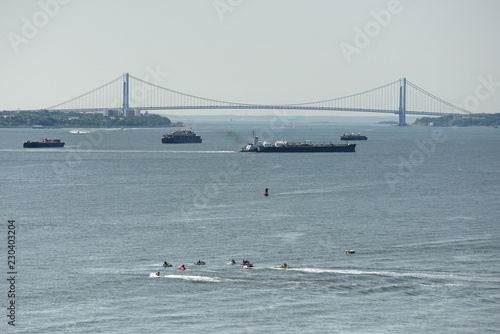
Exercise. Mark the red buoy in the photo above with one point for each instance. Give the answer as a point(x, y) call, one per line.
point(266, 193)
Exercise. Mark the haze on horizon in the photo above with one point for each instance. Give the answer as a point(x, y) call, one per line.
point(279, 52)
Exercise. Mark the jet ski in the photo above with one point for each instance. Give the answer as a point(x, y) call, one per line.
point(248, 265)
point(200, 263)
point(285, 266)
point(166, 264)
point(181, 267)
point(350, 251)
point(231, 262)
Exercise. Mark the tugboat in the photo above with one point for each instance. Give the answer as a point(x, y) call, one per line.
point(181, 137)
point(296, 147)
point(353, 136)
point(44, 143)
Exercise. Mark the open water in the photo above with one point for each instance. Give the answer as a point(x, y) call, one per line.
point(420, 206)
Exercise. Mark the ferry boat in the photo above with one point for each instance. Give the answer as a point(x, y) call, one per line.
point(295, 147)
point(44, 143)
point(181, 137)
point(353, 136)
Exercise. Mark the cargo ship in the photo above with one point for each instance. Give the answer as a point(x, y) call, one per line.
point(181, 137)
point(44, 143)
point(294, 147)
point(353, 136)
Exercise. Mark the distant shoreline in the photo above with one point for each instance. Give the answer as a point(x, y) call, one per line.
point(57, 119)
point(92, 127)
point(476, 120)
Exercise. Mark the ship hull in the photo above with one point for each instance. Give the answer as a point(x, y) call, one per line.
point(353, 138)
point(308, 149)
point(36, 145)
point(173, 140)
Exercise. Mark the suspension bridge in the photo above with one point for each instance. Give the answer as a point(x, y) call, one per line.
point(129, 95)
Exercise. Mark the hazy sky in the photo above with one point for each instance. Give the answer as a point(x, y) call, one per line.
point(250, 51)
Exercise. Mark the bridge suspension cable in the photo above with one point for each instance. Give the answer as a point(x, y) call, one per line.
point(421, 102)
point(175, 100)
point(380, 99)
point(102, 97)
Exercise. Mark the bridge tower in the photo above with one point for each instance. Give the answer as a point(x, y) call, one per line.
point(125, 93)
point(402, 103)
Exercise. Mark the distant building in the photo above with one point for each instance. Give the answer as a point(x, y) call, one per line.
point(132, 112)
point(110, 112)
point(129, 113)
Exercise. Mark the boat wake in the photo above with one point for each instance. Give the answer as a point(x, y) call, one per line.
point(335, 190)
point(383, 273)
point(306, 192)
point(444, 277)
point(74, 149)
point(82, 131)
point(196, 278)
point(199, 152)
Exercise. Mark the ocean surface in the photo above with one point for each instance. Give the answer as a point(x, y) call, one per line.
point(94, 220)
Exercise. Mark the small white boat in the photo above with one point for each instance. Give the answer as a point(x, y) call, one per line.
point(79, 131)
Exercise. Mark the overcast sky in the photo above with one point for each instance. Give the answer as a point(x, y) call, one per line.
point(250, 51)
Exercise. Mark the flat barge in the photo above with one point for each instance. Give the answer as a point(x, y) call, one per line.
point(294, 147)
point(44, 143)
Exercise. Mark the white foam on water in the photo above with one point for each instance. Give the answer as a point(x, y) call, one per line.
point(197, 152)
point(196, 278)
point(154, 275)
point(441, 276)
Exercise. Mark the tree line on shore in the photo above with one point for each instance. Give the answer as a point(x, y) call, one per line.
point(466, 120)
point(47, 118)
